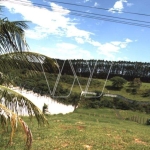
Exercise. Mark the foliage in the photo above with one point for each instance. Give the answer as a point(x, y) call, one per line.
point(18, 60)
point(148, 122)
point(8, 116)
point(1, 78)
point(45, 108)
point(134, 91)
point(118, 82)
point(146, 93)
point(136, 83)
point(10, 103)
point(126, 69)
point(12, 36)
point(115, 102)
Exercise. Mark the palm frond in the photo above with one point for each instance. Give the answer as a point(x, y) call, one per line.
point(28, 133)
point(15, 102)
point(12, 36)
point(28, 60)
point(13, 118)
point(10, 104)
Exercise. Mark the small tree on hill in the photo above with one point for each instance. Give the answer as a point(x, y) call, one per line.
point(118, 82)
point(136, 82)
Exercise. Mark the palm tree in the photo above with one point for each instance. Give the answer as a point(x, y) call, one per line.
point(14, 49)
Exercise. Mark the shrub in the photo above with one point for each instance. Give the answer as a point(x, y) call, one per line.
point(148, 122)
point(118, 82)
point(146, 93)
point(45, 108)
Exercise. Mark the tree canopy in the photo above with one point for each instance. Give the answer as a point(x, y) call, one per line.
point(118, 82)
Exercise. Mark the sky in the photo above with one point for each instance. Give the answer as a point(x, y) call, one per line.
point(56, 30)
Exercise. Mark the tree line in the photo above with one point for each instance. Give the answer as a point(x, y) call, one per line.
point(86, 68)
point(100, 69)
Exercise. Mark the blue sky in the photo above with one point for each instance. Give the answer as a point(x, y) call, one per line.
point(54, 32)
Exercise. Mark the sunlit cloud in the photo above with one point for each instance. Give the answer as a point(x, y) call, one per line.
point(118, 6)
point(110, 49)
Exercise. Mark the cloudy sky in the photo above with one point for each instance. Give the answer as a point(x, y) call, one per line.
point(79, 29)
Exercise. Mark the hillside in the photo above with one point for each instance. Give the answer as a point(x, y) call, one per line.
point(89, 129)
point(67, 90)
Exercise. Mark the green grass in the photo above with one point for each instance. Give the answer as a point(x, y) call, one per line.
point(98, 84)
point(98, 129)
point(137, 96)
point(107, 89)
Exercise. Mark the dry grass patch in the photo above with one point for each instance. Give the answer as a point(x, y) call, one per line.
point(138, 141)
point(87, 147)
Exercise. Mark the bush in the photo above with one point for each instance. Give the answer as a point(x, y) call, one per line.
point(105, 102)
point(118, 82)
point(45, 108)
point(146, 93)
point(148, 122)
point(95, 104)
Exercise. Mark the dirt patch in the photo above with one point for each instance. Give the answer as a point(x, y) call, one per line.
point(80, 128)
point(79, 122)
point(138, 141)
point(64, 144)
point(108, 134)
point(87, 147)
point(67, 127)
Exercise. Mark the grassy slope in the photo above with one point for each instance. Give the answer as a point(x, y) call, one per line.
point(98, 129)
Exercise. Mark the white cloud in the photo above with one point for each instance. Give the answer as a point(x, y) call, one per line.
point(66, 46)
point(118, 6)
point(72, 31)
point(94, 43)
point(96, 4)
point(35, 34)
point(47, 22)
point(56, 22)
point(85, 1)
point(79, 40)
point(110, 49)
point(66, 51)
point(128, 41)
point(59, 9)
point(116, 43)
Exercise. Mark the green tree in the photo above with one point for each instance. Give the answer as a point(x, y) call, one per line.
point(136, 83)
point(118, 82)
point(75, 100)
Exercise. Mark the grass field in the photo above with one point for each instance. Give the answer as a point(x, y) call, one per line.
point(86, 129)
